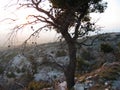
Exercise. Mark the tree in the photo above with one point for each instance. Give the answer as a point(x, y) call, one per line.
point(70, 18)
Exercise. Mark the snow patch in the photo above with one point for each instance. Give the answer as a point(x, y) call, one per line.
point(20, 61)
point(79, 86)
point(63, 86)
point(63, 60)
point(41, 76)
point(47, 74)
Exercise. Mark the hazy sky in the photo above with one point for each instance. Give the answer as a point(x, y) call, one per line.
point(110, 20)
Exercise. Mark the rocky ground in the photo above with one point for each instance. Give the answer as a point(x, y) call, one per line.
point(34, 67)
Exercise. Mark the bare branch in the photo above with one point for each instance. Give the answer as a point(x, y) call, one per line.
point(25, 5)
point(7, 19)
point(43, 19)
point(9, 3)
point(18, 27)
point(92, 42)
point(33, 34)
point(20, 84)
point(53, 62)
point(43, 11)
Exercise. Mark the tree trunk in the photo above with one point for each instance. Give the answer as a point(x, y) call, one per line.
point(70, 71)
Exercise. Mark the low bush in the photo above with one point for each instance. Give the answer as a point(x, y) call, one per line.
point(1, 70)
point(110, 73)
point(18, 70)
point(61, 53)
point(118, 44)
point(11, 75)
point(37, 85)
point(82, 64)
point(106, 48)
point(86, 55)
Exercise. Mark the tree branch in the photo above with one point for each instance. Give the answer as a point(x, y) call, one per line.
point(7, 19)
point(92, 42)
point(79, 23)
point(37, 31)
point(61, 67)
point(43, 11)
point(44, 19)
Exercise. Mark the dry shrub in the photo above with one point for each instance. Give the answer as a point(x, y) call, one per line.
point(38, 85)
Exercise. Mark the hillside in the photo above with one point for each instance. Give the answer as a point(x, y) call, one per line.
point(35, 68)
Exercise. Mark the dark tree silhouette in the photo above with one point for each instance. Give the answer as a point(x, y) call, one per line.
point(70, 18)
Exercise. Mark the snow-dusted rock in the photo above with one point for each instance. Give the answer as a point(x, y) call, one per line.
point(79, 86)
point(62, 86)
point(39, 60)
point(18, 66)
point(62, 60)
point(20, 61)
point(116, 85)
point(47, 74)
point(41, 76)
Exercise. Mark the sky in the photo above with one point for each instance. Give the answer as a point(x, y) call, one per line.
point(109, 21)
